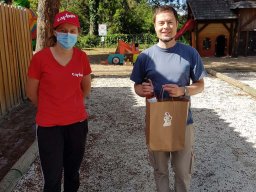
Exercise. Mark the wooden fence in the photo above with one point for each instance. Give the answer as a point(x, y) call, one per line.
point(15, 54)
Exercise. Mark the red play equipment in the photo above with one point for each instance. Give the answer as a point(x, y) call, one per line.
point(124, 51)
point(187, 26)
point(32, 22)
point(124, 48)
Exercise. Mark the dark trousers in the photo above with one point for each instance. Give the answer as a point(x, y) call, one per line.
point(62, 148)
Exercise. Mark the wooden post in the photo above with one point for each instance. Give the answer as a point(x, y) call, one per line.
point(5, 59)
point(3, 104)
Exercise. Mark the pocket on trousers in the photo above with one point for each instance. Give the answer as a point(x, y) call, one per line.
point(192, 163)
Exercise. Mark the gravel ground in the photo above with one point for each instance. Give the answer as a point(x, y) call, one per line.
point(116, 157)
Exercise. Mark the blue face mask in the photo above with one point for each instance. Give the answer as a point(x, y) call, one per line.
point(66, 40)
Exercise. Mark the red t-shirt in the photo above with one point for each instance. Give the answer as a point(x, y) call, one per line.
point(60, 97)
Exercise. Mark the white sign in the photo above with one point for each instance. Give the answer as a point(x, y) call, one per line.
point(102, 29)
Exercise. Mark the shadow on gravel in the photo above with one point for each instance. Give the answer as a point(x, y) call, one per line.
point(225, 161)
point(116, 154)
point(115, 157)
point(241, 76)
point(17, 133)
point(223, 64)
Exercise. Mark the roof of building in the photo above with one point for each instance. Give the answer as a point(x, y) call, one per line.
point(243, 4)
point(211, 9)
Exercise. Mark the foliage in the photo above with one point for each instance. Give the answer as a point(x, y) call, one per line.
point(88, 41)
point(22, 3)
point(6, 1)
point(93, 19)
point(81, 8)
point(127, 17)
point(143, 15)
point(110, 12)
point(121, 17)
point(33, 5)
point(111, 40)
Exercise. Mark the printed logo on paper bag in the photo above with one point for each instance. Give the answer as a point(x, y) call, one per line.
point(167, 119)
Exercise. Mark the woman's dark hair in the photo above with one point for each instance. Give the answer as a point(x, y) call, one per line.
point(51, 41)
point(164, 8)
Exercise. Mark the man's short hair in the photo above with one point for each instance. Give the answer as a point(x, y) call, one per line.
point(164, 8)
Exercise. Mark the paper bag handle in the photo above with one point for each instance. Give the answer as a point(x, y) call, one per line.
point(161, 98)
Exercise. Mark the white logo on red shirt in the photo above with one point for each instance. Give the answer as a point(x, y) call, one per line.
point(77, 74)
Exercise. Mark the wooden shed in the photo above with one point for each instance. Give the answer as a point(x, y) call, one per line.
point(246, 28)
point(223, 27)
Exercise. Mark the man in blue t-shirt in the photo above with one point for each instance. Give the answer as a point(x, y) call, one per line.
point(178, 70)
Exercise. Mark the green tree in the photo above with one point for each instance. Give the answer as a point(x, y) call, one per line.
point(106, 12)
point(121, 16)
point(33, 5)
point(126, 16)
point(93, 8)
point(118, 21)
point(107, 9)
point(22, 3)
point(6, 1)
point(144, 17)
point(81, 8)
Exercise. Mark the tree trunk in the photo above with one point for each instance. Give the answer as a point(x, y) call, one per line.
point(93, 12)
point(47, 9)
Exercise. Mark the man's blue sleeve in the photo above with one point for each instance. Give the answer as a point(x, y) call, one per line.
point(198, 71)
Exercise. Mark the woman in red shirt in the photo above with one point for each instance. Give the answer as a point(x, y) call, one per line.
point(58, 82)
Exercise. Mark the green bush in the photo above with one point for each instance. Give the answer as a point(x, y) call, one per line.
point(111, 40)
point(88, 41)
point(22, 3)
point(144, 40)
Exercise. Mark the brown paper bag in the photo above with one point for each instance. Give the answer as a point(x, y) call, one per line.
point(166, 124)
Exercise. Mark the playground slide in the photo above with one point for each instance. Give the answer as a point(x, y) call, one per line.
point(187, 26)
